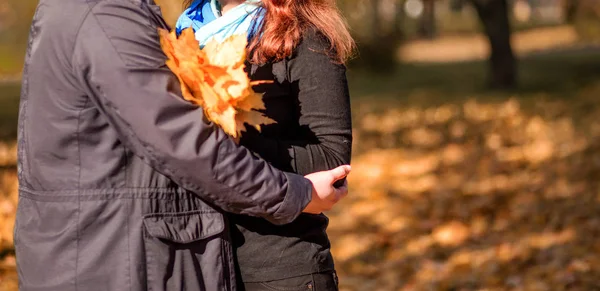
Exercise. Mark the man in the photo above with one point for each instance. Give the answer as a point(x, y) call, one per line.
point(122, 181)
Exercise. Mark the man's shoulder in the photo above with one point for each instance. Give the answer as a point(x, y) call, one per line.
point(129, 28)
point(62, 15)
point(66, 14)
point(124, 14)
point(113, 18)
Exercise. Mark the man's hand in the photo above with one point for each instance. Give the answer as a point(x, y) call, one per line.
point(325, 195)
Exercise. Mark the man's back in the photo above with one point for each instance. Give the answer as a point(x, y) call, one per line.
point(113, 163)
point(92, 215)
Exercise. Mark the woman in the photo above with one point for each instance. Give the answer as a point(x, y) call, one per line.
point(301, 45)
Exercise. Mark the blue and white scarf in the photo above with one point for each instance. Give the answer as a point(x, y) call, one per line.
point(204, 16)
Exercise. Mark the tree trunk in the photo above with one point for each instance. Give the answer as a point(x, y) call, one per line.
point(378, 49)
point(427, 23)
point(570, 9)
point(503, 64)
point(375, 18)
point(399, 19)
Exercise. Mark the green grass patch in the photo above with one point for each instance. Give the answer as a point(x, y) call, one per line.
point(556, 75)
point(9, 108)
point(11, 60)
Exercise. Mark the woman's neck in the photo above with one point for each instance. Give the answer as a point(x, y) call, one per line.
point(227, 5)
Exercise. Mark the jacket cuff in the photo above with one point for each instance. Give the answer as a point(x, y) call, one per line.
point(297, 197)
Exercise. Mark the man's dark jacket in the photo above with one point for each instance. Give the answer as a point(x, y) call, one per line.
point(120, 179)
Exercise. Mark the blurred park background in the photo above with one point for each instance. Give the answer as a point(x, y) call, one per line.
point(477, 144)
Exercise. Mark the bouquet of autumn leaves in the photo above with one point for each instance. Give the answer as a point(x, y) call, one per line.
point(214, 78)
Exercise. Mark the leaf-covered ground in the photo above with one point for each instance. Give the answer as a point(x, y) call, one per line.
point(8, 203)
point(455, 188)
point(474, 196)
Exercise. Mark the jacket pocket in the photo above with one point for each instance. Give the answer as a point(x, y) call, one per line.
point(186, 251)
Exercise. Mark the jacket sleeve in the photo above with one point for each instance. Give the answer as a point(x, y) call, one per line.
point(118, 60)
point(324, 113)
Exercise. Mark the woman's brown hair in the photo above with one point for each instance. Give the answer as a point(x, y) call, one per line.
point(286, 21)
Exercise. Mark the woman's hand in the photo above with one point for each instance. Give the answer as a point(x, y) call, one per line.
point(325, 195)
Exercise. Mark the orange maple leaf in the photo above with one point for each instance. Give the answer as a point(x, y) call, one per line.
point(214, 78)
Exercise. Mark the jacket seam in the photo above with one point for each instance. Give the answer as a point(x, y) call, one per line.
point(25, 92)
point(77, 191)
point(129, 250)
point(125, 171)
point(83, 19)
point(180, 214)
point(78, 233)
point(108, 38)
point(77, 138)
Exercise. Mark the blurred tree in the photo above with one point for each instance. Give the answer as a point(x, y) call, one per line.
point(503, 65)
point(399, 19)
point(457, 5)
point(171, 9)
point(570, 9)
point(379, 42)
point(15, 19)
point(585, 17)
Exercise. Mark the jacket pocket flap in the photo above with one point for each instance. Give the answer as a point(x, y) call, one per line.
point(184, 227)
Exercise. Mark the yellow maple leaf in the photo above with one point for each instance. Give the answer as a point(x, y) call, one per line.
point(227, 53)
point(254, 101)
point(253, 118)
point(214, 78)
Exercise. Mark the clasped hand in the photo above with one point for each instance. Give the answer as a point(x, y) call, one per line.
point(325, 195)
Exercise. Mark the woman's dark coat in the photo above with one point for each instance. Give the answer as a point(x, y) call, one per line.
point(310, 101)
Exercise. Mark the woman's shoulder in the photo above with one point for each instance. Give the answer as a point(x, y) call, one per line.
point(313, 41)
point(314, 51)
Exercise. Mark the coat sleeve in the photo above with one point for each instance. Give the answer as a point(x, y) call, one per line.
point(325, 114)
point(118, 60)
